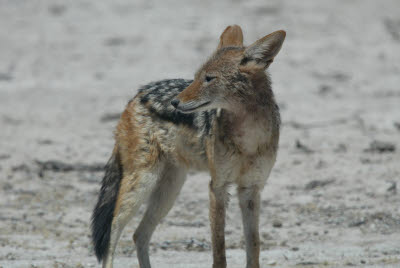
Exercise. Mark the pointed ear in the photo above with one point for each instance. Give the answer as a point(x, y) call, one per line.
point(231, 37)
point(263, 51)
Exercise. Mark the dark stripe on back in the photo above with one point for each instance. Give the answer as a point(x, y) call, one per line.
point(157, 97)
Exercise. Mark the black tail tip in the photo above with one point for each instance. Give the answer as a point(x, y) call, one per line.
point(100, 234)
point(103, 212)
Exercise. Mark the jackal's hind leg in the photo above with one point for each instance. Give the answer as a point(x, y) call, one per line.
point(134, 190)
point(218, 202)
point(160, 202)
point(249, 200)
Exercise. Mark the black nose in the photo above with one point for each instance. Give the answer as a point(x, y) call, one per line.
point(175, 102)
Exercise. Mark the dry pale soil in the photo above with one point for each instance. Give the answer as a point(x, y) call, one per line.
point(67, 69)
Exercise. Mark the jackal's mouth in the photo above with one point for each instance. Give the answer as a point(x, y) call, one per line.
point(191, 106)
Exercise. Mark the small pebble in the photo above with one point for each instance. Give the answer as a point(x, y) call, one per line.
point(277, 224)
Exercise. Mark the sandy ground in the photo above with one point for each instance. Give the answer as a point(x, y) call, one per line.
point(67, 69)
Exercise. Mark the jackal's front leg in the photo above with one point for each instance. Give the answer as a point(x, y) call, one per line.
point(218, 200)
point(249, 199)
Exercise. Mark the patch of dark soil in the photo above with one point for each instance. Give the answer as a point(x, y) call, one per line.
point(58, 166)
point(380, 147)
point(318, 184)
point(191, 244)
point(303, 148)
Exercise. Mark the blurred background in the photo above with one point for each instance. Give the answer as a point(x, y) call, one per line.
point(68, 68)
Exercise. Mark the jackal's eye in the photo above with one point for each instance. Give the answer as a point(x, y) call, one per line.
point(209, 78)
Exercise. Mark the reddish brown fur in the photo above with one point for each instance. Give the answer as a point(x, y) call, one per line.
point(192, 92)
point(129, 139)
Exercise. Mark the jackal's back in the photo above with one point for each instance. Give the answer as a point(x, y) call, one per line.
point(157, 96)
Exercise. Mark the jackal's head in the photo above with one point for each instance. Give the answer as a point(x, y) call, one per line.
point(231, 73)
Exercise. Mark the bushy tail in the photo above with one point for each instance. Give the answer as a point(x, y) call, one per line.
point(103, 212)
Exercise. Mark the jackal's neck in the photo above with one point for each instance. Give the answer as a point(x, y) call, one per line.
point(253, 122)
point(257, 102)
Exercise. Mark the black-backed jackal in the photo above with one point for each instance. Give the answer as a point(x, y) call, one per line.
point(225, 121)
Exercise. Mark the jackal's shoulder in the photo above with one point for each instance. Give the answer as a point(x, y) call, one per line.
point(157, 96)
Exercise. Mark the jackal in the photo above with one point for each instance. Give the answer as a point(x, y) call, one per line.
point(225, 121)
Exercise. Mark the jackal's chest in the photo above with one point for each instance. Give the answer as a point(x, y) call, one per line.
point(250, 137)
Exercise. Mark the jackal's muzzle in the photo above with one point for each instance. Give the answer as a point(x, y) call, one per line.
point(190, 106)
